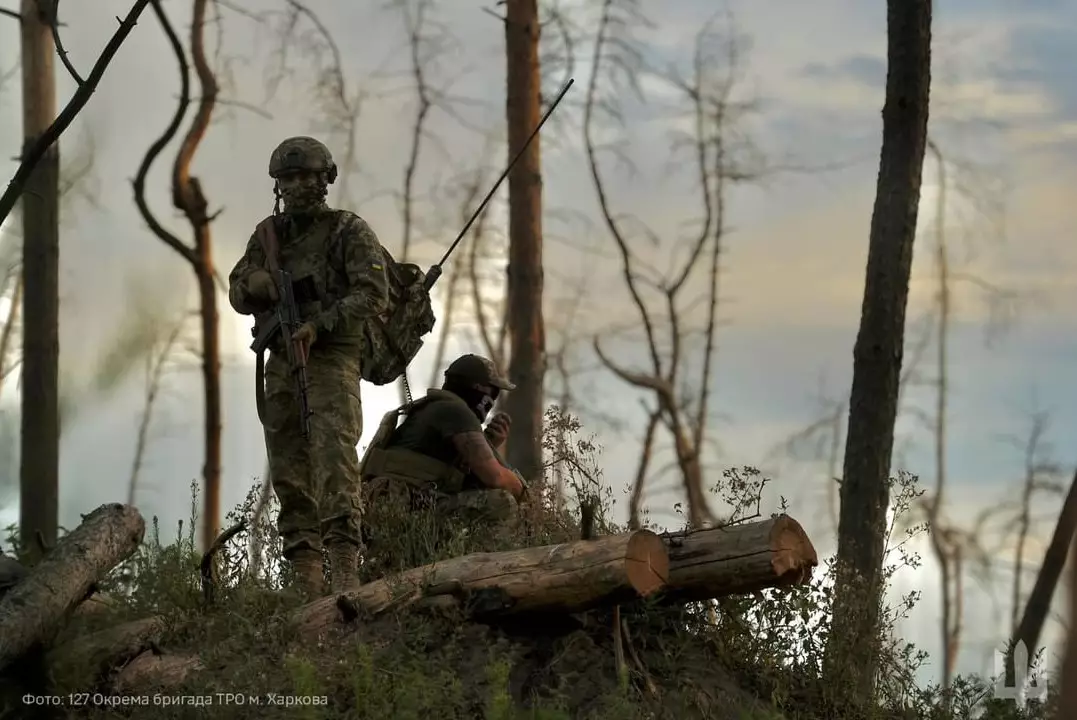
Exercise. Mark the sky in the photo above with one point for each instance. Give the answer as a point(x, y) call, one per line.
point(1003, 113)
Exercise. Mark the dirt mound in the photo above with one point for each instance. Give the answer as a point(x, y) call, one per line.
point(412, 665)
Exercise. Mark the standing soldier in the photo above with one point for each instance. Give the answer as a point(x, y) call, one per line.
point(339, 282)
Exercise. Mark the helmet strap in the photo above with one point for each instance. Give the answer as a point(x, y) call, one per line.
point(276, 196)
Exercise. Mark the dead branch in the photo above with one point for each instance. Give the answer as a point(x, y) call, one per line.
point(260, 510)
point(155, 371)
point(208, 566)
point(11, 14)
point(32, 155)
point(414, 26)
point(642, 466)
point(54, 21)
point(494, 345)
point(339, 108)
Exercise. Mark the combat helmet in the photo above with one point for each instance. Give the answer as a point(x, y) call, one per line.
point(477, 369)
point(302, 153)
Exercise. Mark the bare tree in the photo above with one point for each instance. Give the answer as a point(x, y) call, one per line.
point(682, 407)
point(338, 104)
point(493, 336)
point(156, 363)
point(950, 544)
point(851, 658)
point(1039, 474)
point(187, 197)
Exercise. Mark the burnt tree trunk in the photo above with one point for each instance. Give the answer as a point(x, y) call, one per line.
point(527, 361)
point(1067, 702)
point(39, 456)
point(851, 654)
point(187, 196)
point(1039, 600)
point(211, 379)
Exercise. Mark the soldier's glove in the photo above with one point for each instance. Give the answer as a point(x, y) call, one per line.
point(304, 337)
point(260, 286)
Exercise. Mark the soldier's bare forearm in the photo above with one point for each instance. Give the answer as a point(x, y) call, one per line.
point(475, 451)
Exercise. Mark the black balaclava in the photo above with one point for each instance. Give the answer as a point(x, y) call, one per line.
point(481, 403)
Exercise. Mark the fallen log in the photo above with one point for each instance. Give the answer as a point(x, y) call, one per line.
point(101, 652)
point(98, 602)
point(737, 559)
point(33, 611)
point(151, 669)
point(565, 578)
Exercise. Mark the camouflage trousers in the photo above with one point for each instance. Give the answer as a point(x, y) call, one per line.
point(316, 479)
point(406, 525)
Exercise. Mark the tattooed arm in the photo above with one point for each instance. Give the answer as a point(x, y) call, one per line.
point(475, 450)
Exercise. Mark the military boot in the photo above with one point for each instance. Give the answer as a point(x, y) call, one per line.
point(343, 567)
point(309, 578)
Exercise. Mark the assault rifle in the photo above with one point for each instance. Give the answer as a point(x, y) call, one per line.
point(434, 272)
point(286, 320)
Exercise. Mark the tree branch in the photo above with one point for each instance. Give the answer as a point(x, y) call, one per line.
point(155, 149)
point(35, 152)
point(54, 23)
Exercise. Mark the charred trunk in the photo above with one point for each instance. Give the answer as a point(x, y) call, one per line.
point(40, 435)
point(527, 363)
point(851, 656)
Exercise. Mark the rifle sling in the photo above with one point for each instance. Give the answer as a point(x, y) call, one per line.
point(268, 241)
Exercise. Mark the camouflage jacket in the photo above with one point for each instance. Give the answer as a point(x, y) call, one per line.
point(337, 270)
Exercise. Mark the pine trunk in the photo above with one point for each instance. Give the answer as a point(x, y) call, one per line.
point(527, 335)
point(40, 436)
point(851, 654)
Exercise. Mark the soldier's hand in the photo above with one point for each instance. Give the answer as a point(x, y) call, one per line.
point(497, 431)
point(260, 286)
point(303, 338)
point(517, 486)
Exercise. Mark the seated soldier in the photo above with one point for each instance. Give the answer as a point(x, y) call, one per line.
point(440, 453)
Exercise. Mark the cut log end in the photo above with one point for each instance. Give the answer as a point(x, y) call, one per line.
point(646, 563)
point(794, 555)
point(738, 559)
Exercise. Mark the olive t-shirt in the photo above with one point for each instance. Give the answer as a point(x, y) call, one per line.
point(429, 430)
